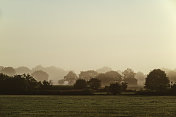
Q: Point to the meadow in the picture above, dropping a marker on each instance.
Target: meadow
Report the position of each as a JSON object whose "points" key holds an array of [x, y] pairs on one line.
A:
{"points": [[87, 106]]}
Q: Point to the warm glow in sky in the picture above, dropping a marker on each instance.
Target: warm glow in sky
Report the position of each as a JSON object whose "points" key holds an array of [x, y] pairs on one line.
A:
{"points": [[88, 34]]}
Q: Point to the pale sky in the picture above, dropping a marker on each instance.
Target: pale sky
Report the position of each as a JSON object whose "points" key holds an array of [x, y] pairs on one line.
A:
{"points": [[88, 34]]}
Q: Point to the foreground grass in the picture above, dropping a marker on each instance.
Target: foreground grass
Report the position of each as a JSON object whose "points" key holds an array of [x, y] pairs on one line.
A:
{"points": [[87, 106]]}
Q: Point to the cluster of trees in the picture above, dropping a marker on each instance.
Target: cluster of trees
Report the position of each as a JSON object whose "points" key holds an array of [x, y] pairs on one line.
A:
{"points": [[92, 84], [114, 82], [38, 75], [10, 71], [95, 84], [156, 82], [110, 81], [52, 73], [39, 72], [26, 84], [106, 78], [21, 84], [129, 76]]}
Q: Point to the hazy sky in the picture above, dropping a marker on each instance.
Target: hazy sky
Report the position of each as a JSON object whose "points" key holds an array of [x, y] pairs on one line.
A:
{"points": [[88, 34]]}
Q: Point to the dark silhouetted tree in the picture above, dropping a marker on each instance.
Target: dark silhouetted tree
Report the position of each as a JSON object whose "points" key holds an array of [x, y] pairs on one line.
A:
{"points": [[94, 83], [33, 84], [3, 82], [21, 84], [17, 83], [157, 80], [115, 88], [40, 75], [80, 84]]}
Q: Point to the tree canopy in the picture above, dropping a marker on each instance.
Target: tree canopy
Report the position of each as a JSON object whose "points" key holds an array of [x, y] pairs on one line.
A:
{"points": [[157, 80], [94, 83], [10, 71], [109, 77], [23, 70], [40, 75], [80, 84], [87, 75], [129, 77], [71, 77]]}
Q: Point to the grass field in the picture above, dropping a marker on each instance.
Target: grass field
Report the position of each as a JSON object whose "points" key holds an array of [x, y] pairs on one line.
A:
{"points": [[87, 106]]}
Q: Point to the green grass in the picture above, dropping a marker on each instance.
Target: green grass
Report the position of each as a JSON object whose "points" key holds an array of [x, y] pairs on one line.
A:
{"points": [[87, 106]]}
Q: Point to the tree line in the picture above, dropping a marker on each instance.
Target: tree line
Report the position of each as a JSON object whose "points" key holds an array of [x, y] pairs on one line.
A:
{"points": [[111, 82], [19, 84], [106, 78]]}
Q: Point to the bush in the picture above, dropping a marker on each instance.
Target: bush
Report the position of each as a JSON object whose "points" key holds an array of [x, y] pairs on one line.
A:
{"points": [[115, 88], [94, 83], [80, 84]]}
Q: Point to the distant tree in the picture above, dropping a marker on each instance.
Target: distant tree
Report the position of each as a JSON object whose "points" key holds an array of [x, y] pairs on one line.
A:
{"points": [[115, 88], [22, 70], [114, 75], [87, 75], [129, 77], [1, 67], [94, 83], [132, 82], [128, 73], [54, 73], [80, 84], [109, 78], [40, 75], [38, 68], [71, 77], [157, 80], [10, 71]]}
